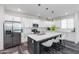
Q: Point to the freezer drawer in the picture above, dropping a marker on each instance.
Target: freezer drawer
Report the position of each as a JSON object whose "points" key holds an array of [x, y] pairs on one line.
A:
{"points": [[16, 39]]}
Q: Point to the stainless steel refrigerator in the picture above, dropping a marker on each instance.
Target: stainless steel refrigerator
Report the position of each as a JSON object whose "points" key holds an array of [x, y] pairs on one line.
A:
{"points": [[12, 34]]}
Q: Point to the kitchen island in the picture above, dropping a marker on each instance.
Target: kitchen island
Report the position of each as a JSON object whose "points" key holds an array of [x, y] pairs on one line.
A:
{"points": [[34, 41]]}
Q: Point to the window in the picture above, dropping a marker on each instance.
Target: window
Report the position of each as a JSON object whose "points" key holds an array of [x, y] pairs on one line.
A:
{"points": [[67, 23]]}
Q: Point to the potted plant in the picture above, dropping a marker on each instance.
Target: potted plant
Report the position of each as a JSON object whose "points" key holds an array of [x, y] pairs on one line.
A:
{"points": [[53, 28]]}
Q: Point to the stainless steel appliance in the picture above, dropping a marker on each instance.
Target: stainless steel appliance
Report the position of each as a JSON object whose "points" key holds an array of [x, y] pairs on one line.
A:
{"points": [[12, 34], [35, 29]]}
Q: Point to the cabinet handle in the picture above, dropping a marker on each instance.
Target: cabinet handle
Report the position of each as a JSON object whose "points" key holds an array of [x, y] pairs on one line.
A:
{"points": [[32, 41]]}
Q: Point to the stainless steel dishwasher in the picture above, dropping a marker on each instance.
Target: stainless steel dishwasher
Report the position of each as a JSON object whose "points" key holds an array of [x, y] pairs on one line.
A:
{"points": [[12, 33]]}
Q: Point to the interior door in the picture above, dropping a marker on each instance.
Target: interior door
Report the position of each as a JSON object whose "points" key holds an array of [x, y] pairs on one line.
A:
{"points": [[7, 35]]}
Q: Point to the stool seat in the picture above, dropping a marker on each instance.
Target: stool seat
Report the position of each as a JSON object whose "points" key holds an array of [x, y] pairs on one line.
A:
{"points": [[48, 43]]}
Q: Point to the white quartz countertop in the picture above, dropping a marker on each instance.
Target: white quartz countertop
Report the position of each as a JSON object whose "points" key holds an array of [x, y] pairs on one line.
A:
{"points": [[37, 37]]}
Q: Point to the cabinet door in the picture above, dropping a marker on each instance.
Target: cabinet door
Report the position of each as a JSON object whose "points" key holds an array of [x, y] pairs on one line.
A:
{"points": [[31, 45]]}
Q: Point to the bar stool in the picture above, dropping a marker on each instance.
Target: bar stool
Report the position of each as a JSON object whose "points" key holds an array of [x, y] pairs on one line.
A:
{"points": [[47, 45], [56, 44], [51, 43]]}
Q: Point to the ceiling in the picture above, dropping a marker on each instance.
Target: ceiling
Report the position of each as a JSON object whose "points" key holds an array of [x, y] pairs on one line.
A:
{"points": [[44, 10]]}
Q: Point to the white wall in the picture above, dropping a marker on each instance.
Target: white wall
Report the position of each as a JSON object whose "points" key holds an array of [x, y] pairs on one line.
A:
{"points": [[1, 26], [76, 17]]}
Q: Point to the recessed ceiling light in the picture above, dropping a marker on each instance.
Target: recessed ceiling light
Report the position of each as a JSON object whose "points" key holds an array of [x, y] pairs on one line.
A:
{"points": [[19, 9]]}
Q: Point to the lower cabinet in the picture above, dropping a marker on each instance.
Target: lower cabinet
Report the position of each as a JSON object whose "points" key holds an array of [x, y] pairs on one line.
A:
{"points": [[33, 46]]}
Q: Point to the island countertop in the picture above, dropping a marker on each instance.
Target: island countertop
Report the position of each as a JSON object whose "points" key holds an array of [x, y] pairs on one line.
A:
{"points": [[37, 37]]}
